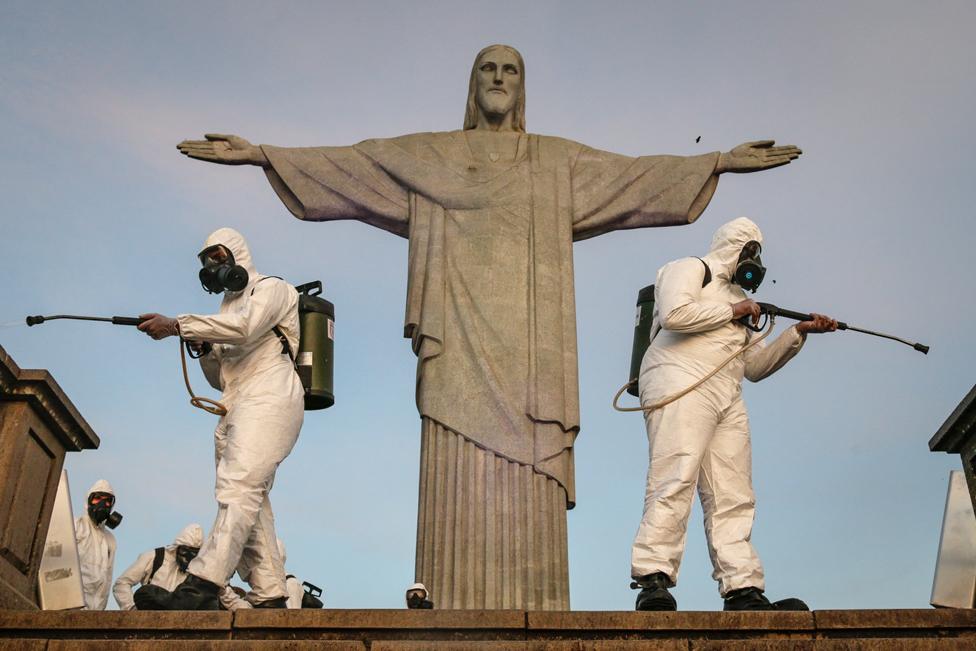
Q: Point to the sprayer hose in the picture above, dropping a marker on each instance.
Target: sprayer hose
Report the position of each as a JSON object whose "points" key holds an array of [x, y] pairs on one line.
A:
{"points": [[206, 404], [666, 401]]}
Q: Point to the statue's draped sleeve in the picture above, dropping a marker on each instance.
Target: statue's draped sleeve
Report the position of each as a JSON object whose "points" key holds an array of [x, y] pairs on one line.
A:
{"points": [[614, 192], [325, 183]]}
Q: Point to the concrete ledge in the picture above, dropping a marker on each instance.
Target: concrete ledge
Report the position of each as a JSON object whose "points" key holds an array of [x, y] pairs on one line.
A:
{"points": [[497, 630], [536, 645], [905, 620], [115, 624], [371, 618], [456, 625], [872, 644], [612, 624], [203, 645]]}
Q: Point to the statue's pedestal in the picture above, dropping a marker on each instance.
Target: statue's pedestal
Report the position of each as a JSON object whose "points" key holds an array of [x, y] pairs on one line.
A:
{"points": [[958, 436], [38, 425]]}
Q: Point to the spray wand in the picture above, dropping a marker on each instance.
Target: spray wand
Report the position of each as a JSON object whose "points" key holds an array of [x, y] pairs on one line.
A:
{"points": [[770, 311], [206, 404], [774, 311]]}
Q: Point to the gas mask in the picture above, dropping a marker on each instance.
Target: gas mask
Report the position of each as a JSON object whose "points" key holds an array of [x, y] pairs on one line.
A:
{"points": [[417, 597], [185, 554], [749, 271], [219, 272], [100, 510]]}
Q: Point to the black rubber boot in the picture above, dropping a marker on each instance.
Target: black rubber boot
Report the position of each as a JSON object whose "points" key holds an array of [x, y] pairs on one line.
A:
{"points": [[791, 603], [194, 594], [654, 593], [280, 602], [754, 599]]}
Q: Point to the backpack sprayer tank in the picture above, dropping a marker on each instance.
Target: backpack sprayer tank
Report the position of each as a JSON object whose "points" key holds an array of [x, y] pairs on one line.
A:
{"points": [[642, 335], [315, 361]]}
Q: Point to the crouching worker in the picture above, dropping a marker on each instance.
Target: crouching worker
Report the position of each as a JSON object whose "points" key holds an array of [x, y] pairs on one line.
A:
{"points": [[702, 438], [247, 359], [158, 571]]}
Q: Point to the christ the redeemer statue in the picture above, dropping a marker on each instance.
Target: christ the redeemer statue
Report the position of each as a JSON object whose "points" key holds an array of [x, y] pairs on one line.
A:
{"points": [[491, 213]]}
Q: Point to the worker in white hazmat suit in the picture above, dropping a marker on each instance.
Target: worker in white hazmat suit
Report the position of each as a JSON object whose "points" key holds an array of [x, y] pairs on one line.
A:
{"points": [[163, 567], [96, 544], [264, 398], [702, 439], [230, 600]]}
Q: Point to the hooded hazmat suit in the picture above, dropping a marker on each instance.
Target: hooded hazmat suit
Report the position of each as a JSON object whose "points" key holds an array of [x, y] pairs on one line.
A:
{"points": [[96, 553], [702, 439], [167, 576], [265, 408]]}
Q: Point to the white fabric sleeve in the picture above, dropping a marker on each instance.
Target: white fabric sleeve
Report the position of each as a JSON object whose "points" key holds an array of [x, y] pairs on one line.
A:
{"points": [[265, 308], [678, 295], [761, 361], [136, 573]]}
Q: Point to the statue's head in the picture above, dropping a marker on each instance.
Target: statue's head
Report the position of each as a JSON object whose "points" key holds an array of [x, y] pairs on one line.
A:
{"points": [[497, 87]]}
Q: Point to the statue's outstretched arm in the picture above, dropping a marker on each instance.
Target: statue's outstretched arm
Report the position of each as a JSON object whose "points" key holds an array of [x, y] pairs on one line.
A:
{"points": [[224, 149], [755, 156]]}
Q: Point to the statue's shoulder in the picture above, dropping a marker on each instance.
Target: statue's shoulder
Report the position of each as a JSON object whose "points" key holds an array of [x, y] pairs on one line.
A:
{"points": [[413, 143], [557, 144]]}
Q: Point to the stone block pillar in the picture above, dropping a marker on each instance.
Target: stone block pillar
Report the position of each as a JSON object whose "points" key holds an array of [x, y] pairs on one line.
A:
{"points": [[38, 425], [958, 436]]}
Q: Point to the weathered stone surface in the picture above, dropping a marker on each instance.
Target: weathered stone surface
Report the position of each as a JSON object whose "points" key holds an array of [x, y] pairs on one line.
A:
{"points": [[115, 624], [205, 645], [23, 645], [598, 624], [457, 625], [853, 644], [535, 645], [896, 644], [945, 618], [404, 630], [397, 619], [753, 645]]}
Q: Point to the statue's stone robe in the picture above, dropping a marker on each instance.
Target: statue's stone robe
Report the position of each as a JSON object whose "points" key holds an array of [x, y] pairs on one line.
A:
{"points": [[490, 298]]}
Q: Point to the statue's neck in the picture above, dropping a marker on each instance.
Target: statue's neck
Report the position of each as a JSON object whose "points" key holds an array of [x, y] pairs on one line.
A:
{"points": [[504, 122]]}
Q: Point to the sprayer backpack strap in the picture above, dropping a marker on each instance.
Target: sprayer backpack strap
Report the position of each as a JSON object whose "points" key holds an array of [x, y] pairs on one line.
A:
{"points": [[157, 562], [285, 346], [708, 273]]}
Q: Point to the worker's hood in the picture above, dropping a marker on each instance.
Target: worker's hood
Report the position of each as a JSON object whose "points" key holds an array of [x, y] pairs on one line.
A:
{"points": [[237, 245], [727, 245], [191, 536], [102, 486]]}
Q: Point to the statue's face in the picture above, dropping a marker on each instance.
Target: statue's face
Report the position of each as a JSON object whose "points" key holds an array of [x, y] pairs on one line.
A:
{"points": [[499, 82]]}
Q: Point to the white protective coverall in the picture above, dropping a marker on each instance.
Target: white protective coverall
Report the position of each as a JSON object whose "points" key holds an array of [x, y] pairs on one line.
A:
{"points": [[265, 408], [96, 553], [168, 576], [702, 439], [230, 601]]}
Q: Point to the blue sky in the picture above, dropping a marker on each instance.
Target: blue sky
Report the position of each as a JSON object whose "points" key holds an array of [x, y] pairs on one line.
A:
{"points": [[873, 224]]}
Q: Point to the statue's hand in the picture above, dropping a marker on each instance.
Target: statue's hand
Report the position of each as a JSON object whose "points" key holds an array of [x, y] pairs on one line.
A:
{"points": [[756, 155], [223, 149]]}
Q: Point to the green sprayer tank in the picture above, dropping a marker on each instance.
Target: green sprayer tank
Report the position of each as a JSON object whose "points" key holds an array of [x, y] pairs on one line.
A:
{"points": [[642, 335], [315, 359]]}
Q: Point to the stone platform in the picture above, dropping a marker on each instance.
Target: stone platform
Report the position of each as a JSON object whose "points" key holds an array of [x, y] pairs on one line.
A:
{"points": [[403, 630]]}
